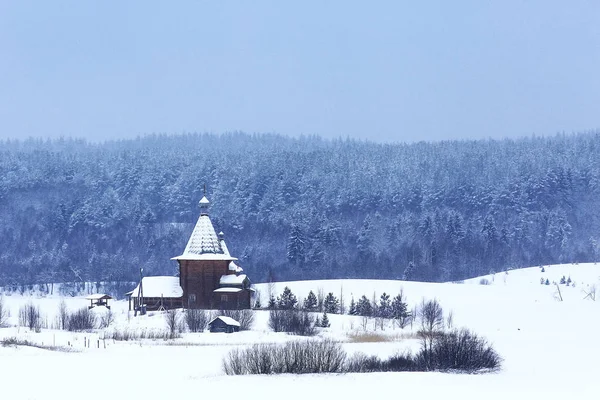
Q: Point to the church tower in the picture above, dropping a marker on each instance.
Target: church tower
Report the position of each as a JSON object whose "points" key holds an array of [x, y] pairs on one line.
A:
{"points": [[208, 275]]}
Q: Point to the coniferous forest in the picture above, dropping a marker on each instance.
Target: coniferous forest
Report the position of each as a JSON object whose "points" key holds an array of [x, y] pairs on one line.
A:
{"points": [[297, 208]]}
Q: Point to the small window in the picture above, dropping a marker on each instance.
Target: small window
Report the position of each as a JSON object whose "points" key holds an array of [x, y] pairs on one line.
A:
{"points": [[192, 298], [224, 298]]}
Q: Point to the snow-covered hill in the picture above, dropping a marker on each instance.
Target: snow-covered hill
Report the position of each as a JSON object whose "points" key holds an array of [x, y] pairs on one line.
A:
{"points": [[549, 346]]}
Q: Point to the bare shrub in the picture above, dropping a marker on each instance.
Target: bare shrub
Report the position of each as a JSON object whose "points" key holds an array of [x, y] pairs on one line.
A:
{"points": [[292, 321], [3, 312], [297, 357], [399, 362], [196, 320], [173, 323], [244, 317], [484, 281], [107, 318], [30, 317], [460, 350], [62, 317], [81, 320]]}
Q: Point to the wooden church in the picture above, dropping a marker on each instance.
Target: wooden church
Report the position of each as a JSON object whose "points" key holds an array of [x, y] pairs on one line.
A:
{"points": [[209, 278]]}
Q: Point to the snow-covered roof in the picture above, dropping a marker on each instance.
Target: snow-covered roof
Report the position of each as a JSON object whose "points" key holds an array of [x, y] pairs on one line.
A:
{"points": [[207, 256], [227, 320], [232, 279], [159, 286], [222, 243], [235, 268], [204, 243], [204, 202], [226, 290], [98, 296]]}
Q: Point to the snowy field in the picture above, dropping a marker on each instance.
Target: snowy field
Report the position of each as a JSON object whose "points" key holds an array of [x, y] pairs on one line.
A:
{"points": [[550, 347]]}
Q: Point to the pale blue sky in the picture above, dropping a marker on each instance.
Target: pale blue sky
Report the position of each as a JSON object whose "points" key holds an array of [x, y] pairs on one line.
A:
{"points": [[388, 71]]}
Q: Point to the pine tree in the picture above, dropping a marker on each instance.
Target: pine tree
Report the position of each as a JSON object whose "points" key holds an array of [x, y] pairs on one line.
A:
{"points": [[352, 310], [364, 307], [408, 272], [272, 303], [325, 321], [400, 308], [296, 247], [547, 281], [287, 300], [331, 304], [364, 241], [563, 280], [385, 306], [257, 303], [310, 303]]}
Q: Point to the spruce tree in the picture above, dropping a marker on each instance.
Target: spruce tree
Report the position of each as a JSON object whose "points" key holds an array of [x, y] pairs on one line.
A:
{"points": [[272, 303], [331, 304], [400, 308], [287, 300], [325, 321], [296, 246], [408, 272], [311, 303], [352, 310], [385, 306], [364, 307], [257, 303]]}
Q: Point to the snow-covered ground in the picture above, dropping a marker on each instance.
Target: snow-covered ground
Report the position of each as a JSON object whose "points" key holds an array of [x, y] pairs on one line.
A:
{"points": [[549, 346]]}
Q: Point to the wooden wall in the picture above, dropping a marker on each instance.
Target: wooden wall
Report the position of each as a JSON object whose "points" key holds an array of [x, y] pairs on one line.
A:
{"points": [[200, 278]]}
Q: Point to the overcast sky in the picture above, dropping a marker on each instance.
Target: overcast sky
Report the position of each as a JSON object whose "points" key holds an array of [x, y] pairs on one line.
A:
{"points": [[387, 71]]}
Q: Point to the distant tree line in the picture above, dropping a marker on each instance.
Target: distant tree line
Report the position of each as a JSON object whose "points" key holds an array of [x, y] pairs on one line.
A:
{"points": [[297, 208]]}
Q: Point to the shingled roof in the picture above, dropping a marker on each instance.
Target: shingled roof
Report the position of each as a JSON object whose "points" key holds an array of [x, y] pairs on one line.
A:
{"points": [[204, 244]]}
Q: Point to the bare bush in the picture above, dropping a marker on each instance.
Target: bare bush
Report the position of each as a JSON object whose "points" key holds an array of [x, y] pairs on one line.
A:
{"points": [[297, 357], [399, 362], [3, 313], [196, 320], [460, 350], [63, 315], [30, 317], [81, 320], [484, 281], [244, 317], [107, 318], [292, 321], [173, 323]]}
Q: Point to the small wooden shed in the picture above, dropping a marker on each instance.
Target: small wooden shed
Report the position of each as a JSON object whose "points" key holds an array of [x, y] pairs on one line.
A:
{"points": [[99, 300], [224, 324]]}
